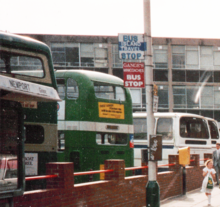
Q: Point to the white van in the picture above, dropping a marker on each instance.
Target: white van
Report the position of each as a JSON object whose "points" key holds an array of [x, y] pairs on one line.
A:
{"points": [[8, 173], [177, 130]]}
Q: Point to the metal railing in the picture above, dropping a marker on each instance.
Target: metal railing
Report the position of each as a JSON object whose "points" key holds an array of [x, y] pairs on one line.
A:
{"points": [[40, 177], [99, 171], [92, 172]]}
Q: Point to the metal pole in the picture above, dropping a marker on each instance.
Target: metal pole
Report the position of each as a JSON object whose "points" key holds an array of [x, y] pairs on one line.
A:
{"points": [[152, 187], [184, 180]]}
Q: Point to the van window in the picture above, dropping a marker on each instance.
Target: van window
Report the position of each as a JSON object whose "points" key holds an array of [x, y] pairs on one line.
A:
{"points": [[213, 129], [11, 170], [140, 128], [192, 127], [165, 128]]}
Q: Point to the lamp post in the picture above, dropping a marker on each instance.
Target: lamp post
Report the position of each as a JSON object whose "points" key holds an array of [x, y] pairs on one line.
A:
{"points": [[152, 187]]}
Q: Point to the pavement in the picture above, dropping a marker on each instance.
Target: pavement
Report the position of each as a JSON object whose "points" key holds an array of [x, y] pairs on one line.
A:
{"points": [[193, 198]]}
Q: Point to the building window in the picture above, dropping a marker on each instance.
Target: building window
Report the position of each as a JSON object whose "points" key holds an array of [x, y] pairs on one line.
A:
{"points": [[192, 76], [65, 54], [192, 57], [118, 72], [217, 57], [163, 97], [136, 98], [206, 76], [196, 97], [179, 75], [117, 63], [216, 97], [217, 76], [206, 57], [160, 59], [207, 97], [192, 96], [178, 56], [101, 55], [160, 75], [179, 96], [87, 55], [196, 76]]}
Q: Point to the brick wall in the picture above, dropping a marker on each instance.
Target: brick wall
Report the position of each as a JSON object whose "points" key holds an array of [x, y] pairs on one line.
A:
{"points": [[115, 190]]}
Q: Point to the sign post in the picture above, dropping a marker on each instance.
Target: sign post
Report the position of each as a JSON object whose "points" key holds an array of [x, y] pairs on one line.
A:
{"points": [[152, 187]]}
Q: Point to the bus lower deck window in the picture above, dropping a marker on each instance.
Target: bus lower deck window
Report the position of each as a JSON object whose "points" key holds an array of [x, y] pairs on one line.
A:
{"points": [[111, 139]]}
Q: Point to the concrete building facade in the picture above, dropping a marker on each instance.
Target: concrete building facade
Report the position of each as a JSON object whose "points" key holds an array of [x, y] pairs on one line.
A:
{"points": [[186, 71]]}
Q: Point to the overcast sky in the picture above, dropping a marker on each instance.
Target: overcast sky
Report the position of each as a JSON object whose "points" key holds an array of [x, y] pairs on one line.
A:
{"points": [[169, 18]]}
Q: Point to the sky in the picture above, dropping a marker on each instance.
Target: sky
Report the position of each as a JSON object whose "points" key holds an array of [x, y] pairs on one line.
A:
{"points": [[169, 18]]}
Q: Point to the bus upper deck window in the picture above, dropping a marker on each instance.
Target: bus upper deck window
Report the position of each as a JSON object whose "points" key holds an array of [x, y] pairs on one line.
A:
{"points": [[61, 91], [165, 127], [72, 89], [21, 64], [109, 92], [61, 88], [120, 94]]}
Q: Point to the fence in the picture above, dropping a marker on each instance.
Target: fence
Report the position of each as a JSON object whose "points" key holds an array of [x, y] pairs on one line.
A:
{"points": [[115, 190]]}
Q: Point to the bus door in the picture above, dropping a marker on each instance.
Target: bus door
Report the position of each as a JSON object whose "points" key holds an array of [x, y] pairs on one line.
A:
{"points": [[11, 149]]}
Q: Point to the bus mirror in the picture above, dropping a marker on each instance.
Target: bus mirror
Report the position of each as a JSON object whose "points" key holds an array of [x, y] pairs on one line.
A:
{"points": [[184, 156]]}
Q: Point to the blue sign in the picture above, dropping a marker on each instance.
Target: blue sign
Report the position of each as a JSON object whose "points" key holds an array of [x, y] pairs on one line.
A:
{"points": [[131, 46]]}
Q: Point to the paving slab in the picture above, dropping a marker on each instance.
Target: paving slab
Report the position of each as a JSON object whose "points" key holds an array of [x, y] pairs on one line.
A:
{"points": [[193, 198]]}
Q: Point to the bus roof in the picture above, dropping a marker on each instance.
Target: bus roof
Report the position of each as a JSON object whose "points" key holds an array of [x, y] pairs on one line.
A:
{"points": [[26, 43], [92, 75], [166, 114]]}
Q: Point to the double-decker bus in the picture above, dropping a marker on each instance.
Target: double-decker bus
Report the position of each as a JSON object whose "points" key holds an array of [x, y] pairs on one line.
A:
{"points": [[94, 119], [27, 77]]}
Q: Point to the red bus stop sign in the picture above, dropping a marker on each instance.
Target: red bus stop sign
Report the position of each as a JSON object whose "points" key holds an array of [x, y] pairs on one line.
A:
{"points": [[133, 75]]}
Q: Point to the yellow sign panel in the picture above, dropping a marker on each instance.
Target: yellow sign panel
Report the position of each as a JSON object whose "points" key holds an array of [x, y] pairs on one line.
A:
{"points": [[111, 110], [29, 104], [102, 175], [184, 156]]}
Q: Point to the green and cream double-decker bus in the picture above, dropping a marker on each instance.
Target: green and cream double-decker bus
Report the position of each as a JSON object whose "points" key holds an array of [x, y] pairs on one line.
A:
{"points": [[94, 119], [27, 77]]}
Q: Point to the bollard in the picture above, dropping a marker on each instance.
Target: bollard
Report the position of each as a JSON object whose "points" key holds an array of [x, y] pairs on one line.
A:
{"points": [[152, 194]]}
